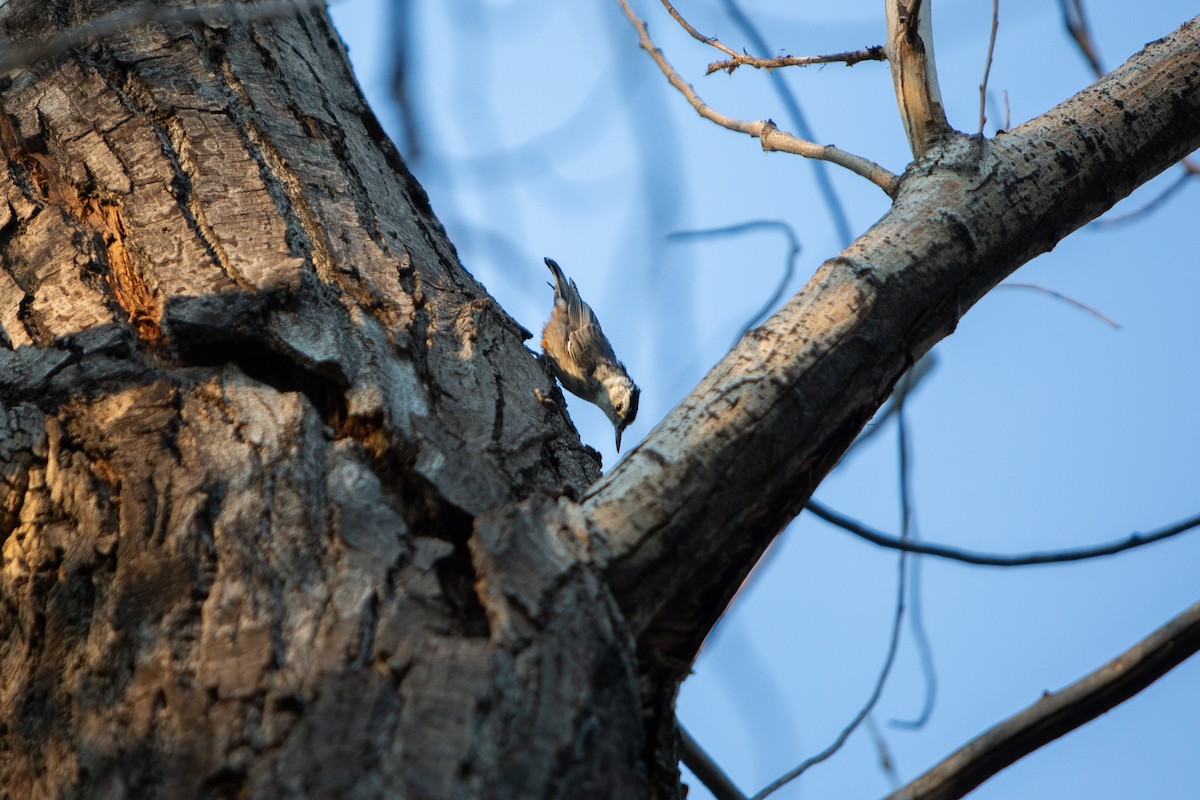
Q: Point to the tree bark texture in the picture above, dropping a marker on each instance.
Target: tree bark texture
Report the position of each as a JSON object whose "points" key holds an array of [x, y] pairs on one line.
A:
{"points": [[263, 444], [282, 514]]}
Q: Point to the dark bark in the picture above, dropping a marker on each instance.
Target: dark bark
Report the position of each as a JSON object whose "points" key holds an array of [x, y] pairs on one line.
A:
{"points": [[253, 408], [282, 514]]}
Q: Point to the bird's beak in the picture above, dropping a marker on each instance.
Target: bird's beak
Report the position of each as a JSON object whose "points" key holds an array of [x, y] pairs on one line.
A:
{"points": [[619, 431]]}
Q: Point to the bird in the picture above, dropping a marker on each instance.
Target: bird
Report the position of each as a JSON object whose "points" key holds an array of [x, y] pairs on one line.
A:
{"points": [[582, 358]]}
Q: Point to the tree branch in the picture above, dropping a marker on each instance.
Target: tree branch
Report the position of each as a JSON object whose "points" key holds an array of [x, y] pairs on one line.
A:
{"points": [[707, 770], [680, 520], [1075, 19], [789, 267], [1077, 27], [711, 41], [992, 560], [987, 66], [914, 72], [1082, 306], [764, 130], [735, 60], [849, 58], [1061, 712]]}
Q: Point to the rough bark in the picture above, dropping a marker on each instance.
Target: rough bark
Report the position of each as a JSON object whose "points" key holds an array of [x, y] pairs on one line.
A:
{"points": [[281, 513], [252, 407]]}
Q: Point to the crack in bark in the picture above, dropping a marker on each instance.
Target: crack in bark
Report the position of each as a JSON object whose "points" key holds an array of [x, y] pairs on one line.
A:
{"points": [[139, 101]]}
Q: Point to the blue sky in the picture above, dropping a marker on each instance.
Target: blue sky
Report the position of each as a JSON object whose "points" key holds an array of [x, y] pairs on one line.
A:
{"points": [[545, 131]]}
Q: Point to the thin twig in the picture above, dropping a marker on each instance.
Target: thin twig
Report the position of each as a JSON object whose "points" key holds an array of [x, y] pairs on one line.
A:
{"points": [[867, 707], [987, 67], [849, 58], [735, 60], [707, 770], [764, 130], [1055, 715], [886, 762], [995, 560], [789, 267], [17, 56], [1189, 171], [695, 34], [403, 40], [904, 387], [916, 623], [798, 121], [908, 532], [897, 621], [1077, 27], [1065, 298]]}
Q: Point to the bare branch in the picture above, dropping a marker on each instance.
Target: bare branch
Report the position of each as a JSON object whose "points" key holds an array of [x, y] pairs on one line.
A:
{"points": [[876, 692], [906, 520], [904, 387], [1189, 171], [695, 34], [849, 58], [707, 770], [789, 268], [994, 560], [914, 72], [987, 67], [1061, 712], [1077, 27], [17, 56], [735, 60], [796, 119], [764, 130], [886, 763], [908, 534], [1082, 306], [403, 47]]}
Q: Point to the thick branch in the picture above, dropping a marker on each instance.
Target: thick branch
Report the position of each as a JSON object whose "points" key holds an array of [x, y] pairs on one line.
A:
{"points": [[1057, 714], [682, 518]]}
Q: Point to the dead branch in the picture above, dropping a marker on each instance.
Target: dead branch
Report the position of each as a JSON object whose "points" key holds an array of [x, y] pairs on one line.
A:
{"points": [[849, 58], [993, 560], [914, 72], [771, 137], [707, 770], [1082, 306], [712, 41], [1059, 713], [987, 66]]}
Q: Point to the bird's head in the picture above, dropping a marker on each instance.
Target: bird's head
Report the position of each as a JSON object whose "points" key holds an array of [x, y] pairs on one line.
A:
{"points": [[619, 400]]}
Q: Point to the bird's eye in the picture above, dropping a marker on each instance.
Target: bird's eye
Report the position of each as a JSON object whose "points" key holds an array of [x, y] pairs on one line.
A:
{"points": [[620, 408]]}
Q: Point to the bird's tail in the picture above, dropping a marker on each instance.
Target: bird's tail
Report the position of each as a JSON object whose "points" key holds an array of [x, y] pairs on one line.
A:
{"points": [[561, 285]]}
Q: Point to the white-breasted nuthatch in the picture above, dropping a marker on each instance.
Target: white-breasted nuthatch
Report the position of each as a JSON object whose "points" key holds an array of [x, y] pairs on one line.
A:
{"points": [[583, 360]]}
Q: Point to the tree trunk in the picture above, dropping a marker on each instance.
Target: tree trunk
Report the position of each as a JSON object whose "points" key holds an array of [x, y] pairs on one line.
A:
{"points": [[282, 513], [252, 409]]}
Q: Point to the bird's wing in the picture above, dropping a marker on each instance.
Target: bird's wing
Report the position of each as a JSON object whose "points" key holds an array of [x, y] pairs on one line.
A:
{"points": [[586, 342]]}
